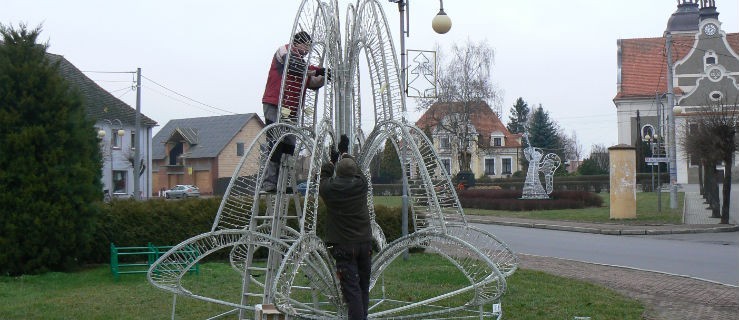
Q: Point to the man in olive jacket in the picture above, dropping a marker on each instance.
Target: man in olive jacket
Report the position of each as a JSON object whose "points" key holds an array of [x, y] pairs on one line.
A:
{"points": [[348, 231]]}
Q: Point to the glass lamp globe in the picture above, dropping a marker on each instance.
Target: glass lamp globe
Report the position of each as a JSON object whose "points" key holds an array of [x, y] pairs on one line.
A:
{"points": [[441, 23]]}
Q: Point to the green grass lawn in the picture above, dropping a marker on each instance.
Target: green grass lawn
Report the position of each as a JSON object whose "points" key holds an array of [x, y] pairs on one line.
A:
{"points": [[646, 210], [93, 294]]}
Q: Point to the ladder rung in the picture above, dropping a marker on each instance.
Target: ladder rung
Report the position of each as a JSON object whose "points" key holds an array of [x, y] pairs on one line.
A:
{"points": [[249, 294], [257, 268], [301, 287]]}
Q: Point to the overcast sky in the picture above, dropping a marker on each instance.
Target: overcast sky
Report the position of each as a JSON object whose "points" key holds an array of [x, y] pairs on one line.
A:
{"points": [[561, 54]]}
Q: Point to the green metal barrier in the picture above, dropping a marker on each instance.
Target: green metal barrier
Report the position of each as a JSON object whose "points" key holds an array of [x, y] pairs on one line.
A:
{"points": [[141, 258]]}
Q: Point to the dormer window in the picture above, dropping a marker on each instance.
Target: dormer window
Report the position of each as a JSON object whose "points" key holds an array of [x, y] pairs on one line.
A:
{"points": [[497, 139], [175, 153]]}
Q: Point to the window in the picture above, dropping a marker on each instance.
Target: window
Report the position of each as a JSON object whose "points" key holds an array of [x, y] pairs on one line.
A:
{"points": [[497, 142], [115, 140], [133, 140], [119, 181], [239, 149], [716, 95], [444, 142], [447, 163], [507, 167], [490, 167], [647, 130], [175, 153], [710, 58]]}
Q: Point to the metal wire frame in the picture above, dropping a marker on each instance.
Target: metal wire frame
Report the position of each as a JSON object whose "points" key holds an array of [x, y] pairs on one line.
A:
{"points": [[428, 183], [486, 282], [372, 35], [309, 257], [483, 259], [238, 204], [310, 18], [166, 273], [496, 250]]}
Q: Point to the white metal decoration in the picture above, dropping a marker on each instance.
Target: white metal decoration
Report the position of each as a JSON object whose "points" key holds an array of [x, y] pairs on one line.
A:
{"points": [[421, 81], [539, 163], [298, 276]]}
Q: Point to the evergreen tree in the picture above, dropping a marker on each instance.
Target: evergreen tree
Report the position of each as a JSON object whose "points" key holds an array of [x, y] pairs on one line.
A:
{"points": [[519, 116], [390, 169], [545, 134], [50, 160]]}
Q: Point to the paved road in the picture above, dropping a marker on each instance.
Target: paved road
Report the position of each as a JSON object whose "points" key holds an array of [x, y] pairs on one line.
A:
{"points": [[713, 257]]}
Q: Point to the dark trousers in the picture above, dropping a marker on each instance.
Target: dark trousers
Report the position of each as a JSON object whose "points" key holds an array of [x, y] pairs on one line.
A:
{"points": [[284, 147], [353, 266]]}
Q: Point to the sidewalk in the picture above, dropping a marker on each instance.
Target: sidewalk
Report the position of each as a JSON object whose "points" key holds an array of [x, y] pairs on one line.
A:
{"points": [[696, 217], [665, 296]]}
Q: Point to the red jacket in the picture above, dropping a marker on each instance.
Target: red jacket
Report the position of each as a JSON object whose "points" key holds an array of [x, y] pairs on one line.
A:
{"points": [[293, 82]]}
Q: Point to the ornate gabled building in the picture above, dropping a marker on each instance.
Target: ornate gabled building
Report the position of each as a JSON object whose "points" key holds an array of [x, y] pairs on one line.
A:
{"points": [[705, 71], [494, 151]]}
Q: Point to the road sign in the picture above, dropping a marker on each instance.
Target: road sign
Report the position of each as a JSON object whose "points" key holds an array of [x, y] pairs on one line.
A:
{"points": [[655, 159]]}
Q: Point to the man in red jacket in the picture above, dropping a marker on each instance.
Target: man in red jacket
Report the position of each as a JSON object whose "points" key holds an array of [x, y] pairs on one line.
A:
{"points": [[288, 60]]}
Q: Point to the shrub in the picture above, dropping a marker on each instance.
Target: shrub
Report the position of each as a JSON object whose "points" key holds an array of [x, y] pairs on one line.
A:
{"points": [[491, 199], [135, 223], [49, 162]]}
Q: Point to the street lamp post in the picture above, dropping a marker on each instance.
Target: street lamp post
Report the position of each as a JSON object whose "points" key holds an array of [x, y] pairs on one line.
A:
{"points": [[671, 124], [441, 24], [655, 147], [101, 134]]}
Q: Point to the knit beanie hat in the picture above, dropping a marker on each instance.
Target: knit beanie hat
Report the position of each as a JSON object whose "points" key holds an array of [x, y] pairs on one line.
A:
{"points": [[346, 167]]}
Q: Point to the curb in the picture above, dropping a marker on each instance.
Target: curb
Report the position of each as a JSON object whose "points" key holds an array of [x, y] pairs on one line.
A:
{"points": [[623, 230]]}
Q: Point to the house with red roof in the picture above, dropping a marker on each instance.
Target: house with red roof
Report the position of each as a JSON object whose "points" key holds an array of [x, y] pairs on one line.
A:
{"points": [[705, 71], [494, 151]]}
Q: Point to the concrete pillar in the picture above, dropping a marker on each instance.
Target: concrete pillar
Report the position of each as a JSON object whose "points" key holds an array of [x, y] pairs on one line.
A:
{"points": [[623, 181]]}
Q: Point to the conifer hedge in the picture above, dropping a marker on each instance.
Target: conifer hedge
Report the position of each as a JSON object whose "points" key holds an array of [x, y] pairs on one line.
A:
{"points": [[49, 162]]}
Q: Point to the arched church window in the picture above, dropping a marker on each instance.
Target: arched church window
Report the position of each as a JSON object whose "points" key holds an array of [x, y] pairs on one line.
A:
{"points": [[647, 131]]}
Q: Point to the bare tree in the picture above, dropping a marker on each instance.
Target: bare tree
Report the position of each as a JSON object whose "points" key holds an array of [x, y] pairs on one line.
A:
{"points": [[464, 84], [573, 148], [599, 153], [711, 137]]}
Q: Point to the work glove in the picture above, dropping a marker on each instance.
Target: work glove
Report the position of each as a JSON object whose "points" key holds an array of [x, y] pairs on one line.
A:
{"points": [[334, 157], [343, 144], [324, 72]]}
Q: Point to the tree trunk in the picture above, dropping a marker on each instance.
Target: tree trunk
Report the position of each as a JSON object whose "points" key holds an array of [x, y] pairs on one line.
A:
{"points": [[700, 178], [715, 200], [728, 161], [707, 181], [464, 161]]}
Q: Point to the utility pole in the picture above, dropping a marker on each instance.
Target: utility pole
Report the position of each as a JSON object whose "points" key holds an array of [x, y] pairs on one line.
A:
{"points": [[671, 125], [403, 33], [137, 141]]}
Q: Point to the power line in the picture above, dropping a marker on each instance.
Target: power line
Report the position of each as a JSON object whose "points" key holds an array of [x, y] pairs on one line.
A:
{"points": [[100, 80], [188, 98], [93, 71], [181, 101]]}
